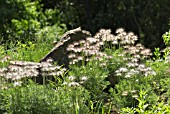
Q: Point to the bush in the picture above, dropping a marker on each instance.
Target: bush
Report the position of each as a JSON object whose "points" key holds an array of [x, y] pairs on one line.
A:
{"points": [[28, 18], [36, 99], [166, 38]]}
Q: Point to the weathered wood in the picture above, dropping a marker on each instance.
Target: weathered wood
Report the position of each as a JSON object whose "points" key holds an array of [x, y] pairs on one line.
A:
{"points": [[59, 53]]}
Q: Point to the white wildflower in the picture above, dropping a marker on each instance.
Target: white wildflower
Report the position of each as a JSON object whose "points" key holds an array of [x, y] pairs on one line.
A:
{"points": [[135, 96], [131, 64], [59, 73], [118, 74], [84, 78], [141, 66], [125, 93], [17, 84], [65, 83], [71, 78], [73, 84], [122, 69], [127, 76]]}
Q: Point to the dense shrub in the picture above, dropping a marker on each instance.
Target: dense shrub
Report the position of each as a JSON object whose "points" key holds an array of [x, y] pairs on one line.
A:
{"points": [[36, 99], [24, 20]]}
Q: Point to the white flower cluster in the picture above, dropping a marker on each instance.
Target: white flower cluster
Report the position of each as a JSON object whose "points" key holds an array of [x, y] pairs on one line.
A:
{"points": [[138, 51], [134, 68], [17, 70], [105, 35], [121, 36], [84, 49], [132, 92], [126, 40], [75, 82], [93, 45]]}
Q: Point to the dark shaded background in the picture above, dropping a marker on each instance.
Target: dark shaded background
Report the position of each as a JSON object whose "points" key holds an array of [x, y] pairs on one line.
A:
{"points": [[147, 18]]}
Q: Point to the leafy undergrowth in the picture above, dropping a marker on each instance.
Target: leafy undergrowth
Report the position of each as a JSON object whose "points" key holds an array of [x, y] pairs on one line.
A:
{"points": [[127, 82]]}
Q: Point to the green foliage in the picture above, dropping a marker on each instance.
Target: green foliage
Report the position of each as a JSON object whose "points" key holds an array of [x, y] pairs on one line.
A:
{"points": [[50, 33], [142, 108], [28, 18], [96, 71], [166, 38], [83, 88], [95, 76], [28, 51], [157, 54], [127, 90], [2, 51], [35, 99]]}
